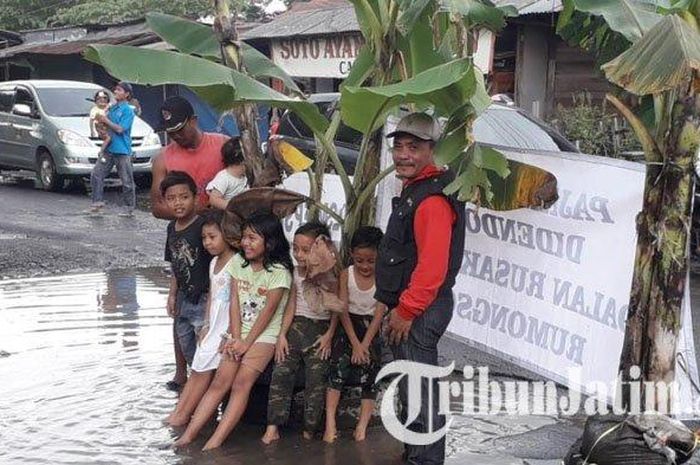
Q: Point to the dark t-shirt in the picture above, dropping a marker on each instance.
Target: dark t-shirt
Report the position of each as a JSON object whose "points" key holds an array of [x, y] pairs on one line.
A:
{"points": [[189, 259]]}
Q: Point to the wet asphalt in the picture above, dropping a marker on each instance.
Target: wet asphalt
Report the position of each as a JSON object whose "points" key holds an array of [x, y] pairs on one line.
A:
{"points": [[46, 233]]}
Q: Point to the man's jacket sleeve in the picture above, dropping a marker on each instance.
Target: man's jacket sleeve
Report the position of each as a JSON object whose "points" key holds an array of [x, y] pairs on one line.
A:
{"points": [[432, 229]]}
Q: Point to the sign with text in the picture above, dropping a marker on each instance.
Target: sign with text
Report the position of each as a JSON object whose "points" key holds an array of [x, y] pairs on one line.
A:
{"points": [[549, 288], [317, 56]]}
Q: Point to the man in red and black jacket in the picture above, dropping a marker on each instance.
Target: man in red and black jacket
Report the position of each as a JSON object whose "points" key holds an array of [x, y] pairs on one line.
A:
{"points": [[417, 264]]}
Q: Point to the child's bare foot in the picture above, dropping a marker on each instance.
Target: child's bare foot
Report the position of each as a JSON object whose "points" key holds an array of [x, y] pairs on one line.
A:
{"points": [[271, 435], [360, 434], [211, 445], [308, 436], [330, 435], [181, 442]]}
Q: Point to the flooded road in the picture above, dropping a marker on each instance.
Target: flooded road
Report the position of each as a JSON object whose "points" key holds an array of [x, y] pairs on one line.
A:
{"points": [[83, 362]]}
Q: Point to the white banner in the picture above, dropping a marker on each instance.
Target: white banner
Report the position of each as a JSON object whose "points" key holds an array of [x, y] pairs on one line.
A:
{"points": [[549, 289]]}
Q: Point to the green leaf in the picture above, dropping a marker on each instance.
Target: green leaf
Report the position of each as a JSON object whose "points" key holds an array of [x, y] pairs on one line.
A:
{"points": [[474, 180], [491, 159], [185, 35], [423, 55], [370, 25], [219, 85], [446, 87], [410, 12], [450, 147], [481, 99], [199, 39], [477, 12], [362, 68], [662, 60], [631, 18]]}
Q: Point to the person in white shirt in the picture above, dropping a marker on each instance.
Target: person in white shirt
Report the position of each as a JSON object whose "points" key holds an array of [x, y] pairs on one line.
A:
{"points": [[230, 181]]}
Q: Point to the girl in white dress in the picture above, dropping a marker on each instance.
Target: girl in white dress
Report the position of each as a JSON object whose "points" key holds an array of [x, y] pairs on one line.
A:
{"points": [[207, 357]]}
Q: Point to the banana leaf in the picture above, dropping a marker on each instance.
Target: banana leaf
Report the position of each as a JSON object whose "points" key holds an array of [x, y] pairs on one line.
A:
{"points": [[217, 84], [631, 18], [198, 39], [661, 60], [444, 86]]}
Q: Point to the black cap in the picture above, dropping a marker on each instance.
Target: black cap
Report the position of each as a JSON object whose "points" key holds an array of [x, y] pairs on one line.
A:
{"points": [[174, 114], [126, 86]]}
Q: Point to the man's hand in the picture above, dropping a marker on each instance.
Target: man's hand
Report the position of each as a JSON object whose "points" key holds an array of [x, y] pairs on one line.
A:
{"points": [[398, 328]]}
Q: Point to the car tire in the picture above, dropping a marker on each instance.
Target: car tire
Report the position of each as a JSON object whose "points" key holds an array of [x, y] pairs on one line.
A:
{"points": [[49, 179]]}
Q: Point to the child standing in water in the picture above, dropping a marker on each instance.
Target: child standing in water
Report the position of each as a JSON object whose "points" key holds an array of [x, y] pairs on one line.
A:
{"points": [[305, 340], [260, 280], [356, 349], [189, 260], [216, 321]]}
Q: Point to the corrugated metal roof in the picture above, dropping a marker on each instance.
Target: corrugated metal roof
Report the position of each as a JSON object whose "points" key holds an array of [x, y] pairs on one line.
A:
{"points": [[133, 34], [526, 7], [311, 22], [319, 17]]}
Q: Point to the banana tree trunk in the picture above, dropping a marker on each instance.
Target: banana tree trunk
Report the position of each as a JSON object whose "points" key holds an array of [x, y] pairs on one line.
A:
{"points": [[246, 114], [654, 316]]}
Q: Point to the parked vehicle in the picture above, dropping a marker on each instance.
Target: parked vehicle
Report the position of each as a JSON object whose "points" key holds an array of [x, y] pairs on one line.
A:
{"points": [[44, 127], [501, 125]]}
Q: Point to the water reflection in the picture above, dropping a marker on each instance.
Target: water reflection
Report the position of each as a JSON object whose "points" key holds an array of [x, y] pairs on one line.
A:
{"points": [[83, 382]]}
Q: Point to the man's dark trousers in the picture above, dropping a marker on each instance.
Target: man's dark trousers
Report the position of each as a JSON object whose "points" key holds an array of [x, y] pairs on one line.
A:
{"points": [[421, 346]]}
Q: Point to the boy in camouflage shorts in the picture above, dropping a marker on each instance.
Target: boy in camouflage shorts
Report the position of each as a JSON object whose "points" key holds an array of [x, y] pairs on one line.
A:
{"points": [[305, 340]]}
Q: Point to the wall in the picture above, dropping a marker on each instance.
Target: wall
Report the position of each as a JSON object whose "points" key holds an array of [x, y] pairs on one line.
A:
{"points": [[531, 69], [575, 72]]}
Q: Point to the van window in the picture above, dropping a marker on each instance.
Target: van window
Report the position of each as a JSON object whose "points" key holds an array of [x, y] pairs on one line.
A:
{"points": [[24, 96], [66, 101], [6, 96]]}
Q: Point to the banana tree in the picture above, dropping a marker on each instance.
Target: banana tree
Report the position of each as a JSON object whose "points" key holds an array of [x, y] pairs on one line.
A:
{"points": [[661, 62], [416, 53]]}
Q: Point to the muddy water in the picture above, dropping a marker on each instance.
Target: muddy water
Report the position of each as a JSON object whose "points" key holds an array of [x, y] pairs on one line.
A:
{"points": [[83, 362]]}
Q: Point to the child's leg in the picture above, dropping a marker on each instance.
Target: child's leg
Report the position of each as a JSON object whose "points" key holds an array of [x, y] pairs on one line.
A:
{"points": [[316, 375], [247, 374], [282, 386], [340, 366], [366, 410], [218, 388], [180, 363], [369, 390], [332, 400], [191, 395]]}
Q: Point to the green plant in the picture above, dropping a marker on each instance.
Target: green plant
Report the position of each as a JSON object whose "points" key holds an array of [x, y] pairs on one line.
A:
{"points": [[595, 128]]}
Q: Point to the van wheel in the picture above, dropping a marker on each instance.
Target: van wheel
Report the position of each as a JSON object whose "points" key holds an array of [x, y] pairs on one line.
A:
{"points": [[49, 179]]}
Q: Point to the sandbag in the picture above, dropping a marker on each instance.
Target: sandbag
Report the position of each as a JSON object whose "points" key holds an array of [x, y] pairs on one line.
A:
{"points": [[649, 439]]}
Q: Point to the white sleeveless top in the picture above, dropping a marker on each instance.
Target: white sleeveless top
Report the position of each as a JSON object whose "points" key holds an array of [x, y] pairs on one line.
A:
{"points": [[359, 302]]}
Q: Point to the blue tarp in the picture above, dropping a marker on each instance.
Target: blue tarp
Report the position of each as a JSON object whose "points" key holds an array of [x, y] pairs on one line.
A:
{"points": [[210, 120]]}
